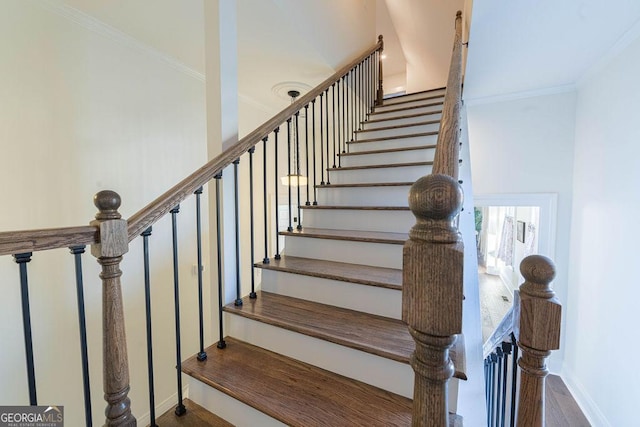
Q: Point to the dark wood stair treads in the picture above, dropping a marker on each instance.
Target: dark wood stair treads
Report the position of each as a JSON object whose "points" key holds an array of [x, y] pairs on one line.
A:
{"points": [[405, 101], [407, 116], [390, 165], [387, 138], [408, 125], [413, 107], [196, 416], [357, 208], [405, 95], [382, 336], [296, 393], [388, 150], [351, 235], [367, 184], [390, 278]]}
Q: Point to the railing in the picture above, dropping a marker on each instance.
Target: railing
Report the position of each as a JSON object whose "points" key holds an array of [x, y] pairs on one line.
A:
{"points": [[433, 261], [532, 327], [315, 128]]}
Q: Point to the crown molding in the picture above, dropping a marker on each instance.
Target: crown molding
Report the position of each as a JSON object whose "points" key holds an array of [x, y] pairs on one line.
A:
{"points": [[92, 24], [520, 95]]}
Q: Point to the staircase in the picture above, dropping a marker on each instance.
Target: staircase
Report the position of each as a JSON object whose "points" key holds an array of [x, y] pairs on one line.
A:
{"points": [[323, 343]]}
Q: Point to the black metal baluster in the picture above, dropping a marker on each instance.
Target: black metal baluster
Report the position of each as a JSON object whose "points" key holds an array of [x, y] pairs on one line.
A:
{"points": [[22, 260], [333, 121], [506, 349], [297, 159], [275, 148], [337, 153], [492, 391], [321, 143], [265, 260], [326, 110], [313, 139], [252, 294], [306, 151], [357, 96], [290, 228], [147, 301], [353, 106], [514, 379], [202, 355], [344, 114], [486, 386], [221, 343], [180, 409], [77, 252], [238, 301], [499, 364]]}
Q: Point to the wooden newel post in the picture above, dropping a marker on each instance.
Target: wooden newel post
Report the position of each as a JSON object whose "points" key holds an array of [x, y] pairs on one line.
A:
{"points": [[114, 243], [432, 292], [380, 91], [537, 329]]}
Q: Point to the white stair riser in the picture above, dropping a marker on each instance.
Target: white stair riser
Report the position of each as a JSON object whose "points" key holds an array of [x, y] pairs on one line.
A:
{"points": [[408, 103], [378, 254], [412, 96], [397, 131], [424, 155], [395, 174], [392, 143], [369, 299], [353, 219], [403, 112], [402, 121], [380, 372], [228, 408], [363, 196]]}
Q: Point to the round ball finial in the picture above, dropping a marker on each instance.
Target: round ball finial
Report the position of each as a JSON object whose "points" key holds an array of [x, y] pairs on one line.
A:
{"points": [[436, 197], [538, 269], [107, 202], [380, 37]]}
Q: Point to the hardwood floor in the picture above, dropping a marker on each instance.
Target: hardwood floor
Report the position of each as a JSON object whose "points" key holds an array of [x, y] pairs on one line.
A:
{"points": [[561, 408]]}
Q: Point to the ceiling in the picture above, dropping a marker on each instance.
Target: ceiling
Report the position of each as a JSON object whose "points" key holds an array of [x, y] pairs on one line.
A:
{"points": [[529, 47], [515, 47]]}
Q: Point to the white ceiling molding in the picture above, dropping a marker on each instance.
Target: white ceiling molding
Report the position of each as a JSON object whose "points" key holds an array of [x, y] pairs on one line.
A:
{"points": [[519, 95], [92, 24]]}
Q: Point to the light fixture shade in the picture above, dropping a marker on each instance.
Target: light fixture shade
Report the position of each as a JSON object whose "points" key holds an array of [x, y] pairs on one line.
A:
{"points": [[294, 180]]}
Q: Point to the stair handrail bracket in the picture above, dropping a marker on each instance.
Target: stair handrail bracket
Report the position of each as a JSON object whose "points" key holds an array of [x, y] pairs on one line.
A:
{"points": [[433, 259]]}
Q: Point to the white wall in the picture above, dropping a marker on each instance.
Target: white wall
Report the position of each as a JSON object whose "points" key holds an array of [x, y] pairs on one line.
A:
{"points": [[602, 313], [83, 110], [526, 146]]}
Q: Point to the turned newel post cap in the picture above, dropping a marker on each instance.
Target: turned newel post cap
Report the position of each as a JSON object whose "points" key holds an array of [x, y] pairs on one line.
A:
{"points": [[459, 14], [435, 197], [380, 37], [538, 269], [107, 202]]}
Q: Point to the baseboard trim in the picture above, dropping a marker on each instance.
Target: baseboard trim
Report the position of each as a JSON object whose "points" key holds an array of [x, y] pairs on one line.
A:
{"points": [[589, 408], [164, 406]]}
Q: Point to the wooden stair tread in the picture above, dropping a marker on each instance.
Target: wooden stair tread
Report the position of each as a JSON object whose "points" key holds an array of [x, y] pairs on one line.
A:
{"points": [[407, 116], [407, 125], [387, 138], [390, 165], [413, 107], [390, 278], [352, 235], [400, 102], [360, 208], [382, 336], [413, 93], [196, 416], [389, 150], [367, 184], [296, 393]]}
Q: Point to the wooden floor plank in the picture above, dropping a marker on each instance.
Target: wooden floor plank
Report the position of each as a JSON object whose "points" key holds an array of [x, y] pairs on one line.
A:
{"points": [[196, 416], [296, 393], [408, 109], [406, 116], [390, 278], [407, 125], [352, 235], [388, 150], [388, 165], [561, 408], [387, 138]]}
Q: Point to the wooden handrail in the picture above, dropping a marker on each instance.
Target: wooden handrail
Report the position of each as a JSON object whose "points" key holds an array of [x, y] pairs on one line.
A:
{"points": [[155, 210], [445, 161], [15, 242], [500, 334]]}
